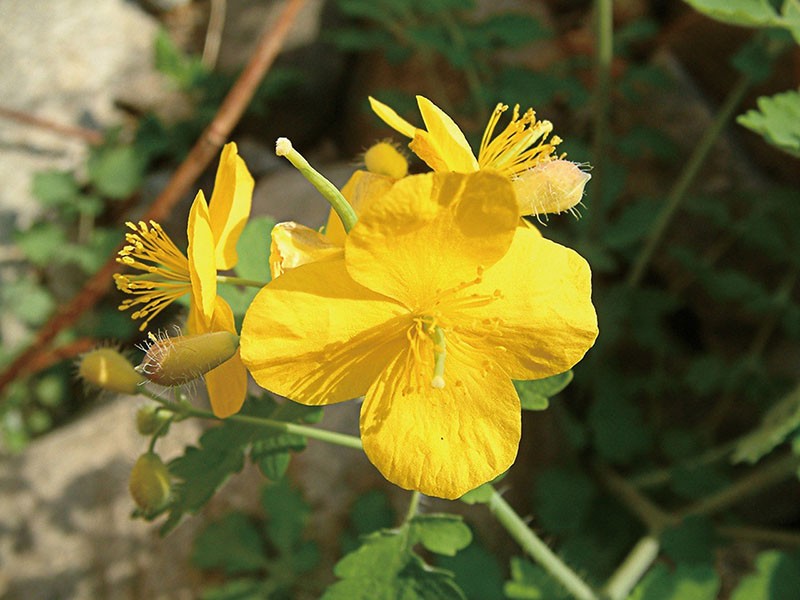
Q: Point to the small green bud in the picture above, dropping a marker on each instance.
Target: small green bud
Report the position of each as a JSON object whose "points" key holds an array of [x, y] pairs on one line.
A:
{"points": [[150, 482], [150, 419], [175, 361], [108, 369]]}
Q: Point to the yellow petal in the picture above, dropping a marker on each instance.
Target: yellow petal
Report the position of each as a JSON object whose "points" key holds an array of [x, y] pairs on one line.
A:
{"points": [[360, 190], [432, 232], [543, 322], [442, 442], [317, 337], [230, 205], [294, 245], [447, 138], [227, 384], [202, 263], [391, 118]]}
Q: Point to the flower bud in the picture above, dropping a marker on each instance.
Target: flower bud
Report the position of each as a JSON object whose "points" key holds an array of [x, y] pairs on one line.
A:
{"points": [[551, 187], [384, 159], [150, 419], [175, 361], [108, 369], [149, 483]]}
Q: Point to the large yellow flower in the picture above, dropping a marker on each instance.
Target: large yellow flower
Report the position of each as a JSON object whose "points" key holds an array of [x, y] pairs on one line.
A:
{"points": [[544, 182], [439, 301], [213, 231]]}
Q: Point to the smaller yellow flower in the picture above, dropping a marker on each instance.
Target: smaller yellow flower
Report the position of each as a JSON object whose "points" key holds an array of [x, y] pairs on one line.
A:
{"points": [[167, 274], [517, 152]]}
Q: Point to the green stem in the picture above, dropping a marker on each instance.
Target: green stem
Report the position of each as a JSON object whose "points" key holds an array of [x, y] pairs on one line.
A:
{"points": [[760, 535], [763, 477], [283, 147], [658, 477], [653, 517], [537, 549], [677, 194], [332, 437], [413, 506], [226, 279], [604, 15], [632, 569]]}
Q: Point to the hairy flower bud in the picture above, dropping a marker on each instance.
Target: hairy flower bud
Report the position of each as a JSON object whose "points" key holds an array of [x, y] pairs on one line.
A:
{"points": [[551, 187], [108, 369], [149, 483], [384, 159], [150, 419], [175, 361]]}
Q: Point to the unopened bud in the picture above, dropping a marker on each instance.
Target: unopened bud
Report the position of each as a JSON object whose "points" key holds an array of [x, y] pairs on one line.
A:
{"points": [[150, 418], [108, 369], [384, 159], [178, 360], [149, 483], [552, 187]]}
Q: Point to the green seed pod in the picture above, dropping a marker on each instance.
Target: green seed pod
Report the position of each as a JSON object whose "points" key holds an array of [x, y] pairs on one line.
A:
{"points": [[175, 361], [149, 483], [108, 369]]}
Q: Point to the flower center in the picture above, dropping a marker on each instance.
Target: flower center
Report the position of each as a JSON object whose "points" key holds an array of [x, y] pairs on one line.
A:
{"points": [[430, 325], [520, 146], [166, 271]]}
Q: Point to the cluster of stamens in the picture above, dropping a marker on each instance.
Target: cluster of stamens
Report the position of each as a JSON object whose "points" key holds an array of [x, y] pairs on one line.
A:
{"points": [[520, 146], [165, 269]]}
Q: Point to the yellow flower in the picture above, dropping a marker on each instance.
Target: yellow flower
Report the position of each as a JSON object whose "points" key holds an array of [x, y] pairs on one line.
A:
{"points": [[439, 300], [167, 274], [518, 152]]}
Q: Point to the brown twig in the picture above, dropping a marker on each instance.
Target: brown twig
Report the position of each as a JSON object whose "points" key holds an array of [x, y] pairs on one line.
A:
{"points": [[47, 358], [204, 150], [90, 136]]}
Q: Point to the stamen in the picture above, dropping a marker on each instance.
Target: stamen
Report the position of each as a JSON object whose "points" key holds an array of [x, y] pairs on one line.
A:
{"points": [[439, 355]]}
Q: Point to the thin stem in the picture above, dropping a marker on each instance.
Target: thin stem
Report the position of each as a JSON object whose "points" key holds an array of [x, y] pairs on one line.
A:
{"points": [[413, 506], [764, 477], [332, 437], [654, 518], [283, 147], [216, 23], [538, 550], [661, 476], [677, 194], [760, 535], [632, 569], [240, 281], [604, 15]]}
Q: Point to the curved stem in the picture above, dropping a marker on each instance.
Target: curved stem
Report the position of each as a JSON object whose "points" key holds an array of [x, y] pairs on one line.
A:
{"points": [[240, 281], [678, 192], [537, 549]]}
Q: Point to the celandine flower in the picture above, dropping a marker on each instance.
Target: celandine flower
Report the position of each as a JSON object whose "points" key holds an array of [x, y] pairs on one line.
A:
{"points": [[439, 301], [213, 231], [519, 152]]}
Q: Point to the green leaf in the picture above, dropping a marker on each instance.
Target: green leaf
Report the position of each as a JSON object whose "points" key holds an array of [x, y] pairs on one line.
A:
{"points": [[271, 454], [632, 225], [563, 498], [232, 544], [684, 583], [184, 70], [698, 481], [777, 576], [791, 16], [203, 469], [384, 568], [535, 394], [440, 533], [41, 243], [253, 249], [240, 589], [777, 425], [480, 495], [531, 582], [777, 120], [748, 13], [29, 301], [288, 514], [54, 188], [116, 171], [478, 571], [618, 429], [690, 542]]}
